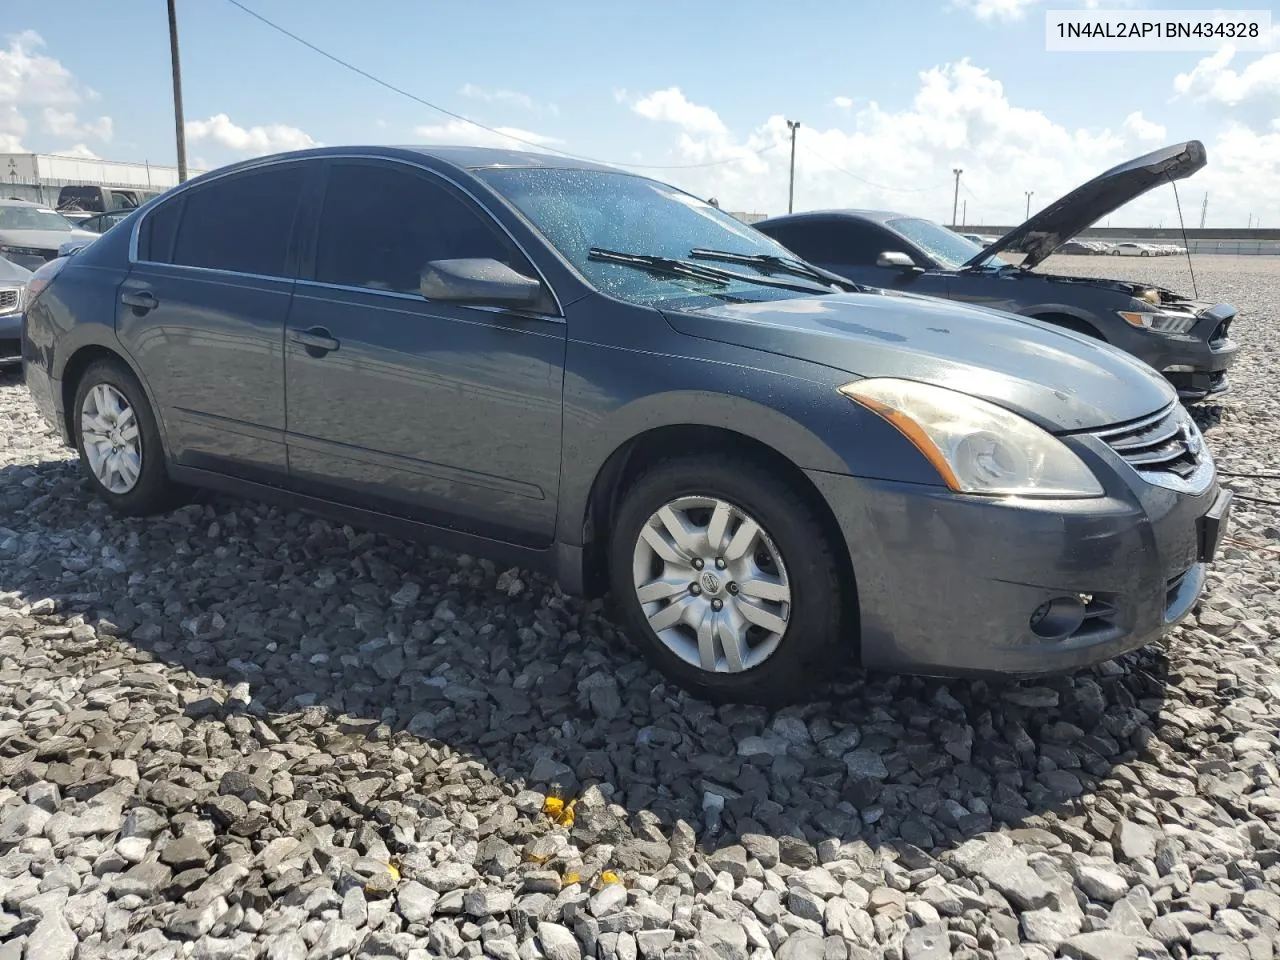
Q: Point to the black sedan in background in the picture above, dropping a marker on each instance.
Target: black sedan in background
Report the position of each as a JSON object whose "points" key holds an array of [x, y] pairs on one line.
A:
{"points": [[594, 374], [1185, 339]]}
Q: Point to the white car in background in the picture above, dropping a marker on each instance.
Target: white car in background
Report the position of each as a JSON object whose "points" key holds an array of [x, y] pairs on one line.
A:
{"points": [[1132, 250]]}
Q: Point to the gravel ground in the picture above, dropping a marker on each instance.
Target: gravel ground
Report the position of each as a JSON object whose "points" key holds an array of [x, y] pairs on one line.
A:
{"points": [[236, 731]]}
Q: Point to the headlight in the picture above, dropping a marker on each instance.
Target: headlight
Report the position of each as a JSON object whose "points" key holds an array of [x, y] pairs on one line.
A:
{"points": [[1159, 322], [976, 446]]}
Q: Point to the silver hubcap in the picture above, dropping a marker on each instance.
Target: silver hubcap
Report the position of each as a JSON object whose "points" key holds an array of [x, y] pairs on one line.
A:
{"points": [[712, 584], [109, 430]]}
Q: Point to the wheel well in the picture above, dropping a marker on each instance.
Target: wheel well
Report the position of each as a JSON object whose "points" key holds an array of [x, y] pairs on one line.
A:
{"points": [[1071, 323], [71, 374], [630, 460]]}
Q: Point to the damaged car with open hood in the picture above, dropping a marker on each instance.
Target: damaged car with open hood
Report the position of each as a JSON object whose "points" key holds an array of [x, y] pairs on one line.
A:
{"points": [[1184, 338]]}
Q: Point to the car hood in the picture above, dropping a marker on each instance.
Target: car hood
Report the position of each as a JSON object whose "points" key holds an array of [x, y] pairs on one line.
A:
{"points": [[42, 239], [1062, 381], [11, 272], [1087, 204]]}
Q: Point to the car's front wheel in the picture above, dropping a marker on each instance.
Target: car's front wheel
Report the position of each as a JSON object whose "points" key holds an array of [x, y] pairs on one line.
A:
{"points": [[729, 583], [119, 442]]}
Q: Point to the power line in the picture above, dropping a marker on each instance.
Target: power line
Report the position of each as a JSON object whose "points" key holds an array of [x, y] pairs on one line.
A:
{"points": [[475, 123], [870, 183]]}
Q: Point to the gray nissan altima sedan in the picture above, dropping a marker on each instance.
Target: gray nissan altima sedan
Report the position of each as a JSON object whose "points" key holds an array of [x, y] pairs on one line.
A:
{"points": [[594, 374]]}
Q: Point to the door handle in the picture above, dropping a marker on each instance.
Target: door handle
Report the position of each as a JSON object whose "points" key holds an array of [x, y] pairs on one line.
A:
{"points": [[316, 339], [141, 301]]}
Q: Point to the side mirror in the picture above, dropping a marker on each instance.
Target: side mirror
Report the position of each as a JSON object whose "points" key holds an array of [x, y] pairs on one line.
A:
{"points": [[481, 281], [894, 260]]}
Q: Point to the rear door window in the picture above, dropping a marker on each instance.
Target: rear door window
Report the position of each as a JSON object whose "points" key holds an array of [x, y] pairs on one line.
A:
{"points": [[242, 224]]}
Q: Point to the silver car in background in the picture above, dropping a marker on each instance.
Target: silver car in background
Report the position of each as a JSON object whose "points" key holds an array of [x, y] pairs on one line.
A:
{"points": [[31, 234]]}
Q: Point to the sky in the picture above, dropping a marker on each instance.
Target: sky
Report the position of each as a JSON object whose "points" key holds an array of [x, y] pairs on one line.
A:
{"points": [[890, 97]]}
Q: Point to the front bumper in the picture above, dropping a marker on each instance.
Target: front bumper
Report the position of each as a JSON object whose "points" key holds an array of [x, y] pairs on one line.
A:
{"points": [[1196, 364], [948, 585], [46, 394]]}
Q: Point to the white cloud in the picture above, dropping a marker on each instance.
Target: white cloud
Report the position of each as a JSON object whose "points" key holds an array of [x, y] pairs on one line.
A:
{"points": [[996, 9], [80, 150], [63, 124], [461, 133], [252, 141], [672, 105], [962, 116], [1253, 92], [844, 103], [29, 77], [1017, 9], [1140, 128], [13, 125]]}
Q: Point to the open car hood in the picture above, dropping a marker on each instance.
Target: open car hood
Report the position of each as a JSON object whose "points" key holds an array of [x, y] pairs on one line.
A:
{"points": [[1087, 204]]}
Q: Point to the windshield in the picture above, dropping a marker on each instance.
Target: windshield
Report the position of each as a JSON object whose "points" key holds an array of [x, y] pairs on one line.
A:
{"points": [[951, 250], [577, 210], [31, 218]]}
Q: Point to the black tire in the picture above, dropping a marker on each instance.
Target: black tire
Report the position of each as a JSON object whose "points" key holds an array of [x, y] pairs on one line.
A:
{"points": [[153, 492], [820, 604]]}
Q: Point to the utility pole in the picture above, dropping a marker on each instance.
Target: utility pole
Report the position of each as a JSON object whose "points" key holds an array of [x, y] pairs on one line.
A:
{"points": [[964, 213], [1030, 194], [793, 126], [955, 203], [1204, 209], [178, 125], [1250, 226]]}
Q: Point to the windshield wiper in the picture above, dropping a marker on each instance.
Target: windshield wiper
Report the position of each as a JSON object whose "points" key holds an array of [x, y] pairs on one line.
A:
{"points": [[672, 267], [663, 266], [795, 267]]}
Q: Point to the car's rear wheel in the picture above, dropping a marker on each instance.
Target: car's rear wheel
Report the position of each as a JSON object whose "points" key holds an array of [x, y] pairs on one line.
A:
{"points": [[119, 442], [728, 582]]}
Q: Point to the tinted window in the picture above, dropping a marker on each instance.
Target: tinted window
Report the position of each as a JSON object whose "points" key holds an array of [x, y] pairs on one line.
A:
{"points": [[242, 223], [846, 241], [155, 238], [382, 224]]}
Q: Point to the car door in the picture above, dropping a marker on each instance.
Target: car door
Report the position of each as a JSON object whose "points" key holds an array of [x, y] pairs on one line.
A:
{"points": [[443, 413], [202, 313]]}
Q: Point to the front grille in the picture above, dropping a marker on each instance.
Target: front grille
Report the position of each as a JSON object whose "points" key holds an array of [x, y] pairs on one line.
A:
{"points": [[1165, 442], [8, 300], [9, 349]]}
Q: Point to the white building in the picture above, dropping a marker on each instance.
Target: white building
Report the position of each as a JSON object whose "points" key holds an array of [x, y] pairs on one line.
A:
{"points": [[37, 176]]}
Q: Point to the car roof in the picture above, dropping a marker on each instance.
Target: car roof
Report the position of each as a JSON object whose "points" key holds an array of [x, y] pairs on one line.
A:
{"points": [[473, 158], [21, 203], [876, 216], [462, 157]]}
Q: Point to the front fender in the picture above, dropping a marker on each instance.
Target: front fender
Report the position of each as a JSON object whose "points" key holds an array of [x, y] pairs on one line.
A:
{"points": [[630, 394]]}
